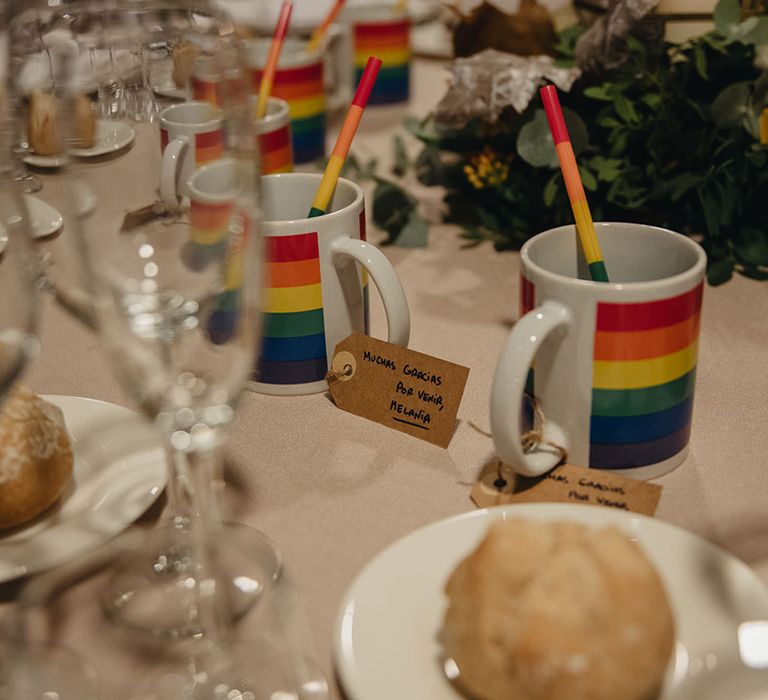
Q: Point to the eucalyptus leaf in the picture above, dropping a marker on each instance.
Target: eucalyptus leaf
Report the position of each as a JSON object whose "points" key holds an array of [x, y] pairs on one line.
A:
{"points": [[429, 166], [730, 105], [758, 35], [727, 15], [626, 109], [550, 190], [700, 59], [401, 160], [599, 92], [588, 179], [720, 271], [534, 142], [760, 91], [754, 272], [392, 207], [754, 250], [414, 233], [741, 30]]}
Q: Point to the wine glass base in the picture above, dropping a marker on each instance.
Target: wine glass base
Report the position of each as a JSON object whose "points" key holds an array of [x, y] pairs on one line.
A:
{"points": [[247, 670], [152, 590]]}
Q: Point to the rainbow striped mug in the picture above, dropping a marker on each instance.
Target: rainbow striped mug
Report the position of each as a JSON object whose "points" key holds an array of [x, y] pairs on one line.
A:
{"points": [[316, 294], [299, 80], [384, 32], [274, 128], [615, 363], [191, 135]]}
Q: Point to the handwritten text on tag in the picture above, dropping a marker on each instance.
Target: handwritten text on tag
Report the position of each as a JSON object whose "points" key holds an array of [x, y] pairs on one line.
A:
{"points": [[406, 390]]}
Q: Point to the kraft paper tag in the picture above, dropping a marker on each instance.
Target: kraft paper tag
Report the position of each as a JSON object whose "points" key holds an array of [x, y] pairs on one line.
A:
{"points": [[141, 217], [499, 485], [409, 391]]}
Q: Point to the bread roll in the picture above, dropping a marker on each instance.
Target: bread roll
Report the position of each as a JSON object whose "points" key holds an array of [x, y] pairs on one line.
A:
{"points": [[43, 124], [557, 611], [35, 457], [85, 123], [184, 57]]}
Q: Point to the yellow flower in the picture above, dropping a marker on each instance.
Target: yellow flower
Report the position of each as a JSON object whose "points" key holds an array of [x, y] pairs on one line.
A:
{"points": [[486, 169]]}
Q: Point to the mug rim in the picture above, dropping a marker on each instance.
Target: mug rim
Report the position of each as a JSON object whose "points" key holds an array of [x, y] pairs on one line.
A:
{"points": [[215, 121], [267, 122], [206, 197], [376, 14], [298, 59], [329, 216], [694, 271]]}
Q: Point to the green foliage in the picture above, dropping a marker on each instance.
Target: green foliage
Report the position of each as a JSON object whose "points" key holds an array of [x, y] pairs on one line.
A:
{"points": [[673, 141]]}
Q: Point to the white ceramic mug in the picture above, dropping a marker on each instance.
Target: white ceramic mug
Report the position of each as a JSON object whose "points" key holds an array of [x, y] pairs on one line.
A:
{"points": [[383, 31], [274, 128], [615, 362], [191, 135], [301, 80], [316, 294]]}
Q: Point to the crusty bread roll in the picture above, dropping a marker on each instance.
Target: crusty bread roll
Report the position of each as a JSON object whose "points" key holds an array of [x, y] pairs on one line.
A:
{"points": [[184, 56], [35, 457], [85, 123], [557, 611], [43, 124]]}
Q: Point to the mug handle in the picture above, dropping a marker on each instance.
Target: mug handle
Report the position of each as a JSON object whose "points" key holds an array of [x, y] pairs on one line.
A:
{"points": [[509, 385], [386, 280], [169, 170], [339, 77]]}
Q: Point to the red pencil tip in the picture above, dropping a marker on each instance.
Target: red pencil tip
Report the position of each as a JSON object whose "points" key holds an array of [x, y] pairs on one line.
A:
{"points": [[367, 80]]}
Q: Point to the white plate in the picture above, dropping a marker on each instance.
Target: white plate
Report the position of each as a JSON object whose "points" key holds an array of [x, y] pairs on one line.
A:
{"points": [[110, 137], [385, 642], [45, 219], [161, 80], [118, 473]]}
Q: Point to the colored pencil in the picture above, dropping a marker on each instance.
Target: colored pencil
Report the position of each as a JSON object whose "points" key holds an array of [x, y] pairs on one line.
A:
{"points": [[268, 77], [585, 227], [322, 28], [344, 141]]}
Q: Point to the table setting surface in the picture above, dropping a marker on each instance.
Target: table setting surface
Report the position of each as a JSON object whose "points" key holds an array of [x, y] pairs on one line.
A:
{"points": [[332, 489]]}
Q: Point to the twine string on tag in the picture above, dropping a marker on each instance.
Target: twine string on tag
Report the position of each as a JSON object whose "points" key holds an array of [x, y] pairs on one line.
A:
{"points": [[532, 438], [334, 373]]}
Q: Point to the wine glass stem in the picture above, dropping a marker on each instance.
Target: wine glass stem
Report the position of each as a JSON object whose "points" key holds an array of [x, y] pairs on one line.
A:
{"points": [[194, 506]]}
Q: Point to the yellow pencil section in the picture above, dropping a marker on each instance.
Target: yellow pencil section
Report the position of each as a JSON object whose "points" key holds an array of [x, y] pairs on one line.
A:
{"points": [[639, 374], [586, 230]]}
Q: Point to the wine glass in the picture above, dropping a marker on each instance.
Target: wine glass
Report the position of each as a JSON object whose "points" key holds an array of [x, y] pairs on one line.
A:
{"points": [[27, 63], [18, 270], [181, 329]]}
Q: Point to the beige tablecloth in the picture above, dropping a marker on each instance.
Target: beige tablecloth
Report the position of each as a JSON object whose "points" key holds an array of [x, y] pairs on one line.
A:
{"points": [[333, 489]]}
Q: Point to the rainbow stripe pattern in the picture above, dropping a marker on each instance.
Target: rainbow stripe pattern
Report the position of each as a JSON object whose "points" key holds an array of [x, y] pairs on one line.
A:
{"points": [[344, 140], [209, 228], [643, 374], [388, 40], [303, 89], [293, 345], [209, 146], [222, 324], [276, 150], [585, 227]]}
